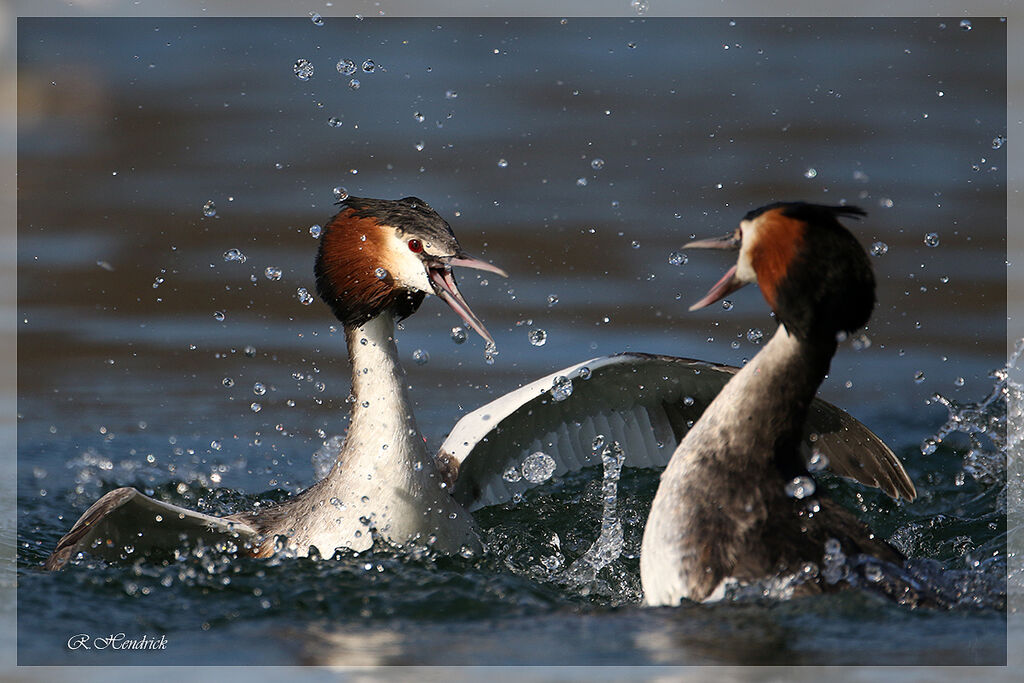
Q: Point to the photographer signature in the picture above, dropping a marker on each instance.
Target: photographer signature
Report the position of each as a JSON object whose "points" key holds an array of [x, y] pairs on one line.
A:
{"points": [[116, 641]]}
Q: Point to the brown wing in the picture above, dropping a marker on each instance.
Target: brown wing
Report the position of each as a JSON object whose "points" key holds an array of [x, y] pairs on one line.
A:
{"points": [[125, 524]]}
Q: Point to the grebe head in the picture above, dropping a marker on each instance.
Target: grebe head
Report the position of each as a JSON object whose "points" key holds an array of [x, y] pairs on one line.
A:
{"points": [[811, 270], [380, 254]]}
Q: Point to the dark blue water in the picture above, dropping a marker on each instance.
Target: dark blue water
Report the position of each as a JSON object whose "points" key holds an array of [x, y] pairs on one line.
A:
{"points": [[620, 140]]}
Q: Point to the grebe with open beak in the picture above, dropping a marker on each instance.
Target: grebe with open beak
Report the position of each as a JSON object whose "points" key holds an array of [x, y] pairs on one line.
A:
{"points": [[377, 261], [737, 502]]}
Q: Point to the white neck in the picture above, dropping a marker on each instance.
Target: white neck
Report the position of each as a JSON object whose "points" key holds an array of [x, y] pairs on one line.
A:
{"points": [[383, 428], [384, 478]]}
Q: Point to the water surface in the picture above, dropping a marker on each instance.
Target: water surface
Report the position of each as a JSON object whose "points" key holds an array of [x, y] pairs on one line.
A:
{"points": [[577, 155]]}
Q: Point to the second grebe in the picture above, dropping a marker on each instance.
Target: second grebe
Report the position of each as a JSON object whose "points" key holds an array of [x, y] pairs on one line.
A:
{"points": [[737, 502]]}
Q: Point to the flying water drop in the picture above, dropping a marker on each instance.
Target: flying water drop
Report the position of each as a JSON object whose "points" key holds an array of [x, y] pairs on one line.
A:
{"points": [[303, 69], [538, 467], [800, 487], [561, 388]]}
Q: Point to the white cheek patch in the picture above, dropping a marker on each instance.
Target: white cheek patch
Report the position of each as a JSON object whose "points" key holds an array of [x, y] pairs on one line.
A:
{"points": [[744, 269], [404, 266]]}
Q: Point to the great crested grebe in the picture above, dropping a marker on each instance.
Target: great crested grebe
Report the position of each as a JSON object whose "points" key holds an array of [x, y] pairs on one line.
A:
{"points": [[377, 260], [737, 502]]}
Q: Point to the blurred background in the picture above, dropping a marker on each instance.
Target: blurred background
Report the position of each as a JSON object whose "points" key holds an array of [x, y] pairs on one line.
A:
{"points": [[170, 171]]}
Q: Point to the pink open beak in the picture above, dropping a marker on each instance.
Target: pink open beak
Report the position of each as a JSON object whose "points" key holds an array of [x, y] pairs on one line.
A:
{"points": [[729, 283], [445, 287]]}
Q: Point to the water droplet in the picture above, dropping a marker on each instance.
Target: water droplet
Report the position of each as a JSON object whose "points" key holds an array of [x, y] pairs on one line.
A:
{"points": [[316, 19], [879, 248], [640, 6], [502, 163], [354, 84], [304, 297], [459, 334], [335, 122], [688, 401], [552, 300], [726, 304], [754, 335], [340, 193], [303, 69], [998, 141], [490, 352], [635, 244], [929, 446], [585, 372], [228, 382], [677, 258], [419, 117], [965, 25], [561, 388], [219, 316], [931, 239], [259, 388], [255, 407], [419, 146], [581, 182], [800, 487], [512, 474], [369, 66], [811, 173], [315, 230], [860, 342], [818, 461], [450, 95], [598, 443], [918, 377], [234, 255], [273, 273], [346, 67], [209, 209], [538, 467], [538, 337], [381, 273], [420, 357], [597, 164]]}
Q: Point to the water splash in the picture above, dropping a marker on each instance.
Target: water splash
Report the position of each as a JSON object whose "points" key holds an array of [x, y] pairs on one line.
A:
{"points": [[608, 546], [985, 423]]}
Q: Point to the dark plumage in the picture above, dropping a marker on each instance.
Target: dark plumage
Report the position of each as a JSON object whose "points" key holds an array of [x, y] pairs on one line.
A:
{"points": [[737, 500]]}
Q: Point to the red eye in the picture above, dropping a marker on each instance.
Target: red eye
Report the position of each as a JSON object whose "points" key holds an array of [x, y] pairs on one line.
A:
{"points": [[415, 246]]}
